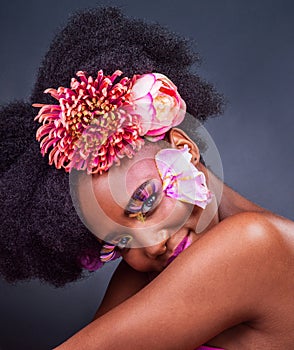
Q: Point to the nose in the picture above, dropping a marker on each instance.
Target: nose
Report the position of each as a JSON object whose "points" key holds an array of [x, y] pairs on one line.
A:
{"points": [[160, 248], [155, 250]]}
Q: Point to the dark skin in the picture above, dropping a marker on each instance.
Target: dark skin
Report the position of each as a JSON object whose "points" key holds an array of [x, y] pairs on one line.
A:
{"points": [[232, 288]]}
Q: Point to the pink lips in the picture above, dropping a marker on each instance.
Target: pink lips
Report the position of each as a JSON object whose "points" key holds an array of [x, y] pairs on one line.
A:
{"points": [[185, 243]]}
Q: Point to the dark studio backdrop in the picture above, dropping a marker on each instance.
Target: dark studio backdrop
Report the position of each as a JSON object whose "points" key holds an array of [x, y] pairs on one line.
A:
{"points": [[248, 53]]}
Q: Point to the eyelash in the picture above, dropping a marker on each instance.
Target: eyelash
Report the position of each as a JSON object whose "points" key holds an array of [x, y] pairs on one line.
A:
{"points": [[145, 198], [110, 251]]}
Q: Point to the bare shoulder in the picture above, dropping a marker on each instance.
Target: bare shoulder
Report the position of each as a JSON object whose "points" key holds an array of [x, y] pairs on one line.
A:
{"points": [[253, 256], [251, 231], [250, 253]]}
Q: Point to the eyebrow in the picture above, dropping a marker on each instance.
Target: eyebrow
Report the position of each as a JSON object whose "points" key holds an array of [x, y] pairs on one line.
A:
{"points": [[109, 237]]}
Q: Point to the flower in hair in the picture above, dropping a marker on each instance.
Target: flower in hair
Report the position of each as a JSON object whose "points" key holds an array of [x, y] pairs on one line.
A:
{"points": [[164, 107], [98, 122], [181, 179], [90, 263]]}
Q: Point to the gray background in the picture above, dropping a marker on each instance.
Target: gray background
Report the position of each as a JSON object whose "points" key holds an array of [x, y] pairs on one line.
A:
{"points": [[248, 52]]}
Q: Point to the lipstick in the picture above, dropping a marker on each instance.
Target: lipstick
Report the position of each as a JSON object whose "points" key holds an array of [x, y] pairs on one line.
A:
{"points": [[185, 243]]}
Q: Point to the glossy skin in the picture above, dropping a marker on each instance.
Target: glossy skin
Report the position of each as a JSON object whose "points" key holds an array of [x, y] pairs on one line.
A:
{"points": [[232, 288]]}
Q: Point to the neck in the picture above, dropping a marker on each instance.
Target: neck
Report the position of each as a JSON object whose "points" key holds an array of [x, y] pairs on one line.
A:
{"points": [[229, 201]]}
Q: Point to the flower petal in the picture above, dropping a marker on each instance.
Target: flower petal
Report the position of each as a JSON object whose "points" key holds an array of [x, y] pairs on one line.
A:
{"points": [[181, 179], [143, 85]]}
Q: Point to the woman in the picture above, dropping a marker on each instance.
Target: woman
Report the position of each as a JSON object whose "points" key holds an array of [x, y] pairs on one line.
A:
{"points": [[231, 286], [211, 300]]}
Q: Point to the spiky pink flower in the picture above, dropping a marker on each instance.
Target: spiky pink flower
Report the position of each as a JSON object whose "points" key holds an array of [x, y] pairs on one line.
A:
{"points": [[105, 141], [88, 129]]}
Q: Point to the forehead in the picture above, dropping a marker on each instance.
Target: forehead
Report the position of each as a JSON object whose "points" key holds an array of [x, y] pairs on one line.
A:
{"points": [[122, 180]]}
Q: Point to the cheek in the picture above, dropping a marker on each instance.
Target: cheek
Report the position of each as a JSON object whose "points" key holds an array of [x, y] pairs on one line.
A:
{"points": [[169, 218], [136, 258], [174, 213]]}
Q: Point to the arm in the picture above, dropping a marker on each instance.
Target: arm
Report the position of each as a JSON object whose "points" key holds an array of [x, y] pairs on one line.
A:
{"points": [[212, 286], [124, 283]]}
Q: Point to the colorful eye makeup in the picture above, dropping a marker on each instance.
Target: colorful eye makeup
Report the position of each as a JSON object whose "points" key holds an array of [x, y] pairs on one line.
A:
{"points": [[145, 199], [123, 241], [109, 251]]}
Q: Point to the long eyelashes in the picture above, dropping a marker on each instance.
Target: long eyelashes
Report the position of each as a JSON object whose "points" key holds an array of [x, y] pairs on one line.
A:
{"points": [[144, 199], [110, 251]]}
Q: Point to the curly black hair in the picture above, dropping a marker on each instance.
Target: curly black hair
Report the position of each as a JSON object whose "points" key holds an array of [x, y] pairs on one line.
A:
{"points": [[41, 234]]}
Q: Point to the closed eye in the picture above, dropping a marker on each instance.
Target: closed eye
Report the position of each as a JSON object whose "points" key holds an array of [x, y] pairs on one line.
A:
{"points": [[145, 198], [124, 241], [121, 241]]}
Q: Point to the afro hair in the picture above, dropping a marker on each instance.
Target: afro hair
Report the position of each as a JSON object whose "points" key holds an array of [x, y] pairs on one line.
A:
{"points": [[41, 233]]}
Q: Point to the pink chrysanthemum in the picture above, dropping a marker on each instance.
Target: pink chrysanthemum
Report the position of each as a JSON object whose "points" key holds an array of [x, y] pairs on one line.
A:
{"points": [[107, 139], [89, 129]]}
